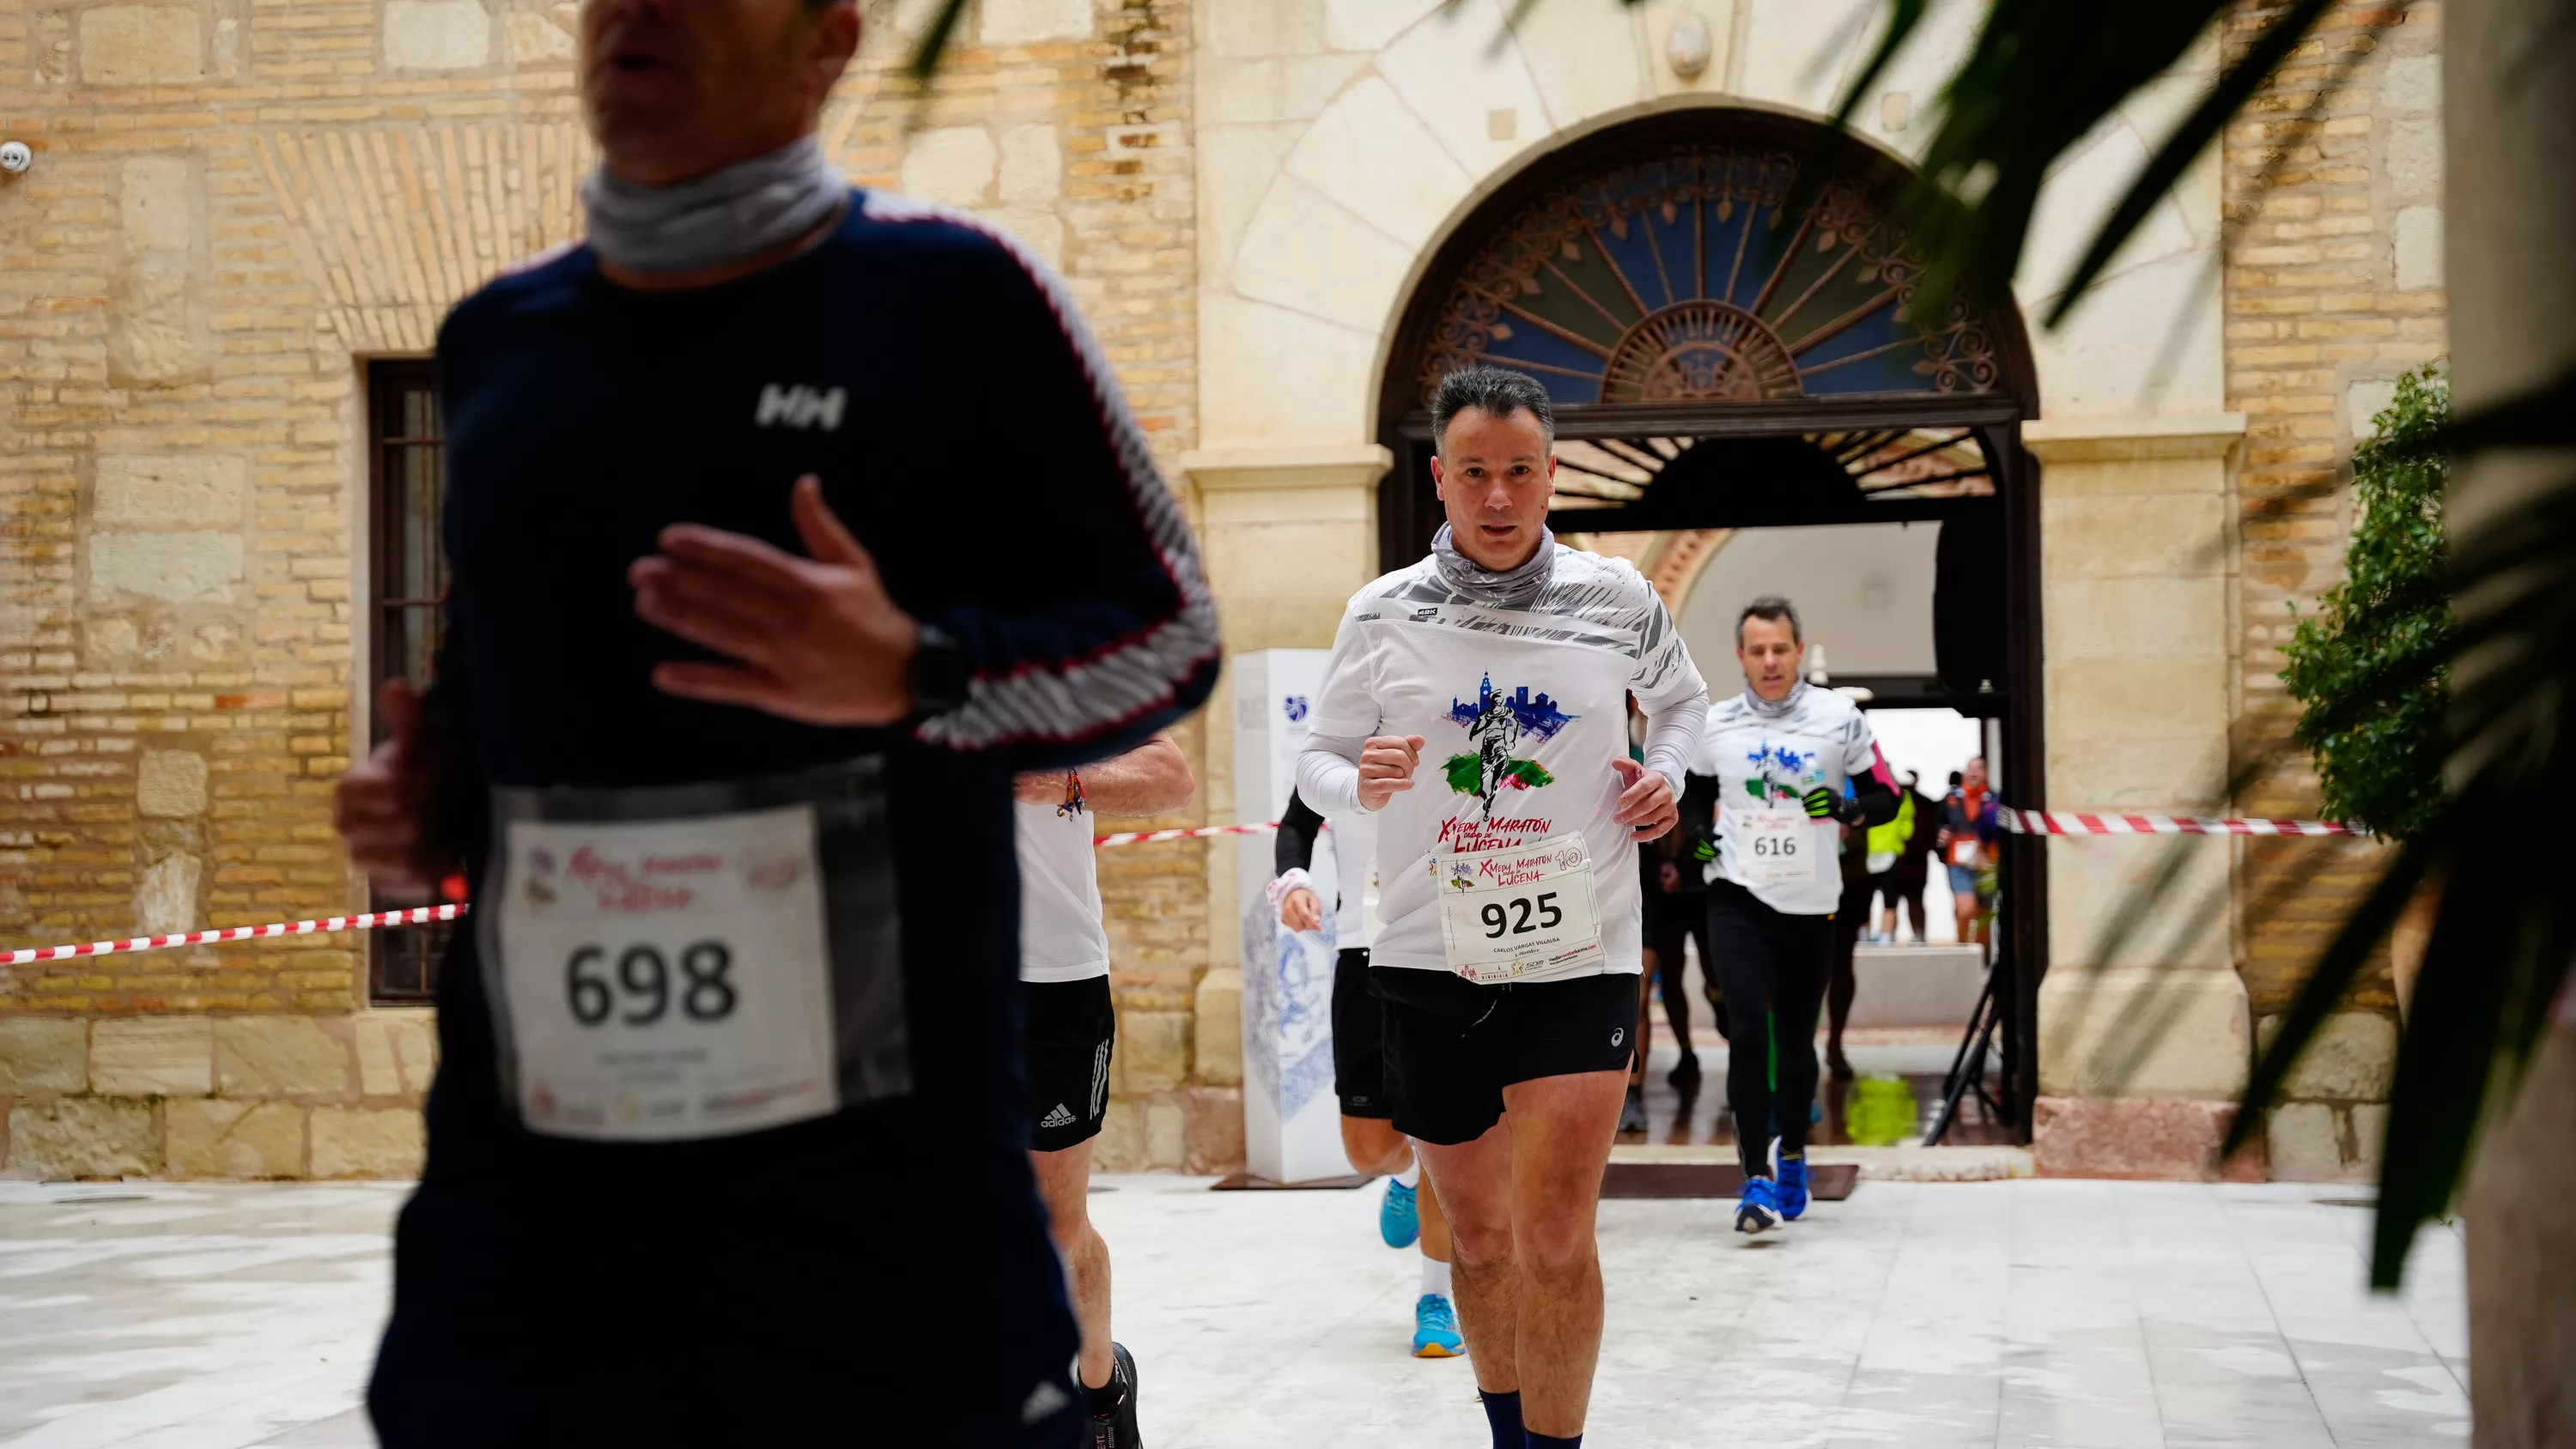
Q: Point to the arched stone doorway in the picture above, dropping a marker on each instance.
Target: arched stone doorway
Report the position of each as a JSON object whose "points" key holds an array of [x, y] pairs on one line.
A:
{"points": [[1718, 301]]}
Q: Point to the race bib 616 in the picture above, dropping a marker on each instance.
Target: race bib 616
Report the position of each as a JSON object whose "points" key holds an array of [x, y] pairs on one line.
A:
{"points": [[1776, 845]]}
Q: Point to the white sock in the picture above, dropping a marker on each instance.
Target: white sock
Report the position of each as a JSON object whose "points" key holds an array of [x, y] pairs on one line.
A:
{"points": [[1435, 1277], [1411, 1177]]}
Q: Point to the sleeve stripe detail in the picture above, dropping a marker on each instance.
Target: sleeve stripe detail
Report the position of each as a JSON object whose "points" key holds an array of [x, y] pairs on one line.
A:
{"points": [[1125, 679]]}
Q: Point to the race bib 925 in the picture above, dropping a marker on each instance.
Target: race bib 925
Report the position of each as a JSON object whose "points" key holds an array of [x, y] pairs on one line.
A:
{"points": [[1520, 913]]}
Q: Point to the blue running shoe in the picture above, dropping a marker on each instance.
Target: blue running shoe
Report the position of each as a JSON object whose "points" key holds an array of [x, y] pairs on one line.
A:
{"points": [[1758, 1211], [1435, 1328], [1398, 1220], [1793, 1188]]}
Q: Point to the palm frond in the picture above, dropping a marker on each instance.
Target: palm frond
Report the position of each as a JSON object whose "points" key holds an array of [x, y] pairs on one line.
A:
{"points": [[1904, 17], [2504, 937], [933, 50], [2040, 77], [2333, 974], [2164, 169], [2543, 417]]}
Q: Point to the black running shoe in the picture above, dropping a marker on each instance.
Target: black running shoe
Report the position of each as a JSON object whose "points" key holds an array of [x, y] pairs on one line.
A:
{"points": [[1632, 1112], [1684, 1076], [1117, 1428]]}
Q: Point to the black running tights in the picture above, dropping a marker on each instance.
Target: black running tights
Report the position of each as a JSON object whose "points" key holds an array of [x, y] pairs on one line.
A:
{"points": [[1770, 967]]}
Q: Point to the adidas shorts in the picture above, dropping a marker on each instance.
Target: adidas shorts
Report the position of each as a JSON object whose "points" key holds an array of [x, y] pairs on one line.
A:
{"points": [[1071, 1028]]}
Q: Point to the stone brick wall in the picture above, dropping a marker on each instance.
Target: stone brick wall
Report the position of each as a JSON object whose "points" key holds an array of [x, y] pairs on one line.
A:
{"points": [[2333, 287], [234, 203]]}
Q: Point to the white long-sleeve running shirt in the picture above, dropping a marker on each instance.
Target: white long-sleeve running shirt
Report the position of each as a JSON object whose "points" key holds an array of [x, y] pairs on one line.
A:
{"points": [[1523, 710]]}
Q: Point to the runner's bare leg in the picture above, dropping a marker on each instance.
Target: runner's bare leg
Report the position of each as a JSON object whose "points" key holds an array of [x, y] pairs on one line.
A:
{"points": [[1064, 1181], [1522, 1201], [1473, 1181], [1565, 1128]]}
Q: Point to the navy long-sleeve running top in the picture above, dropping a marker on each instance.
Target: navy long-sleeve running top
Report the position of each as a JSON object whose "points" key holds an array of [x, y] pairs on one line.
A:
{"points": [[967, 430]]}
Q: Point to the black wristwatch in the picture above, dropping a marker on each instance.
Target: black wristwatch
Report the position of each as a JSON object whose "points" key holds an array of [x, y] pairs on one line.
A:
{"points": [[938, 673]]}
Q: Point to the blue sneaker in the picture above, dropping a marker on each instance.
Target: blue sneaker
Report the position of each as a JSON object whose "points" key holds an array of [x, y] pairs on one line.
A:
{"points": [[1758, 1210], [1793, 1188], [1435, 1328], [1398, 1220]]}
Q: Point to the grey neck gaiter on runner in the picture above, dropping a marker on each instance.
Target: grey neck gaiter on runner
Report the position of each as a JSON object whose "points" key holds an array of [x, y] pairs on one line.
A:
{"points": [[1768, 709], [1515, 588], [739, 211]]}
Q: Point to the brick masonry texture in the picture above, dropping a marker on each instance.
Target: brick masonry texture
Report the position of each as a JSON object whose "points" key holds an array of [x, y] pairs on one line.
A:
{"points": [[234, 202], [2332, 177]]}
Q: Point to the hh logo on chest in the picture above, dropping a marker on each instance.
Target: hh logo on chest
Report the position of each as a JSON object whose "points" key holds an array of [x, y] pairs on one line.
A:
{"points": [[800, 407]]}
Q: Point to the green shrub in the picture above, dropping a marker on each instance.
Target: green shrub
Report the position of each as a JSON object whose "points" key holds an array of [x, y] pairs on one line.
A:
{"points": [[2369, 668]]}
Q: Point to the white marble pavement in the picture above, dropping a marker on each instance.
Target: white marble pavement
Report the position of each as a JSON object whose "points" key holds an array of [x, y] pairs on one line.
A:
{"points": [[2051, 1315]]}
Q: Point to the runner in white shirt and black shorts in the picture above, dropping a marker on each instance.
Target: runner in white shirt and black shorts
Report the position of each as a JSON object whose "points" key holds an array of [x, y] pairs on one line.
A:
{"points": [[1406, 1214], [1476, 703], [1072, 1027], [1767, 804]]}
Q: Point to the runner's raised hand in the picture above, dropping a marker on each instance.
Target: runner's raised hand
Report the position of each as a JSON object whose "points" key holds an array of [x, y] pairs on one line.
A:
{"points": [[1646, 804], [378, 805], [1387, 763], [1302, 910]]}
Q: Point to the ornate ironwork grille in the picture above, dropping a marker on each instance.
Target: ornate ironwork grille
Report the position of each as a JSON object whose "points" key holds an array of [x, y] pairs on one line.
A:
{"points": [[1671, 283], [1677, 277], [408, 486]]}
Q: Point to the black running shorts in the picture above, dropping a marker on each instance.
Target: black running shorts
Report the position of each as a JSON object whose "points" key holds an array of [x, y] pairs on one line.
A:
{"points": [[1452, 1046], [1359, 1056], [1072, 1025]]}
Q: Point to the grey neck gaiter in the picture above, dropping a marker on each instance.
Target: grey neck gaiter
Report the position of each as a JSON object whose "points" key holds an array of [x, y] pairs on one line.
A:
{"points": [[742, 210], [1767, 709], [1515, 588]]}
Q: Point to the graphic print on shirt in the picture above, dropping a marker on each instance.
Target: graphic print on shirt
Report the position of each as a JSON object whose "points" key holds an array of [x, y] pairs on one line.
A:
{"points": [[1495, 725], [1522, 710], [1781, 773]]}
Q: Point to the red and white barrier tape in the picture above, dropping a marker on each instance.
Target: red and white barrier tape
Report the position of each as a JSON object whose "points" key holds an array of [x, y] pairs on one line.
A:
{"points": [[367, 922], [2020, 822], [1148, 837], [422, 914], [2077, 822]]}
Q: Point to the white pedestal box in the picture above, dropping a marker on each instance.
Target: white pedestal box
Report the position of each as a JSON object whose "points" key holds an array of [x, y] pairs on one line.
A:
{"points": [[1291, 1120]]}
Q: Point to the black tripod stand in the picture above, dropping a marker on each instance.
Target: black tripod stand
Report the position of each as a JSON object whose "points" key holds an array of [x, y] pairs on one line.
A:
{"points": [[1968, 1066]]}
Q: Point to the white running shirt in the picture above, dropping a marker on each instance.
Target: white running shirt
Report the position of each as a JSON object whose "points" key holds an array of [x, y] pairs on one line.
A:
{"points": [[1523, 711], [1352, 839], [1765, 756], [1061, 937]]}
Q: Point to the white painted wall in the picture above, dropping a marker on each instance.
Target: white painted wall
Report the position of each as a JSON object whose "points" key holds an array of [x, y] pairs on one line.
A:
{"points": [[1863, 591]]}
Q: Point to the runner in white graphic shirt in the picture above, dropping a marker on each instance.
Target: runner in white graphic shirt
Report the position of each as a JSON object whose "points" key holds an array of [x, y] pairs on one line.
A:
{"points": [[1766, 806], [1508, 881]]}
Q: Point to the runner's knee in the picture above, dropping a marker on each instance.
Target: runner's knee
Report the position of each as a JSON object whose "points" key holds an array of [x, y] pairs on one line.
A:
{"points": [[1556, 1245], [1373, 1145]]}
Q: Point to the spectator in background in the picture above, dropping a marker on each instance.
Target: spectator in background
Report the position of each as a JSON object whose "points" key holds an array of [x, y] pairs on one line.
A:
{"points": [[1967, 844], [1900, 857]]}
